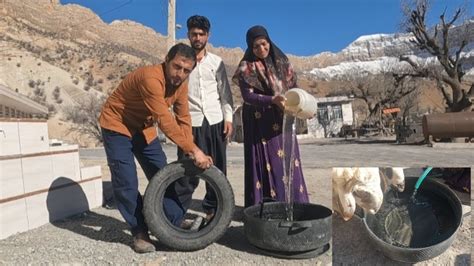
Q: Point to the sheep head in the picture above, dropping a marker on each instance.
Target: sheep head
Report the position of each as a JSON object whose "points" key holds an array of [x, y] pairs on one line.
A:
{"points": [[398, 179], [395, 177], [366, 189], [343, 202], [353, 186]]}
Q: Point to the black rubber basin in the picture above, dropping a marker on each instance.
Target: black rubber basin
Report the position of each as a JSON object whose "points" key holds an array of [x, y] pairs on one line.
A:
{"points": [[410, 231], [266, 227]]}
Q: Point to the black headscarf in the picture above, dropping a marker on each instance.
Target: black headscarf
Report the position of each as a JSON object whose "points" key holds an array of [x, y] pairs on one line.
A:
{"points": [[275, 70], [259, 31]]}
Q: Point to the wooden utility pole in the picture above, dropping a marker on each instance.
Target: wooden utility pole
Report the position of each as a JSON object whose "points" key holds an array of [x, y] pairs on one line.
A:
{"points": [[171, 23]]}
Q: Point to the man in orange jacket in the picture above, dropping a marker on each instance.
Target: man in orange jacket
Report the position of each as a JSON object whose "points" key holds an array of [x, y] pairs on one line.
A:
{"points": [[142, 100]]}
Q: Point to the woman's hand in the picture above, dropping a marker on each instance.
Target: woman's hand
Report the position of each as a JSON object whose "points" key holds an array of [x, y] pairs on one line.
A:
{"points": [[279, 100]]}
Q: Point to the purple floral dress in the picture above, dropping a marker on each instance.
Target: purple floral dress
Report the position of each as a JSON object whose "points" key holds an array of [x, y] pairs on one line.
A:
{"points": [[263, 149], [259, 80]]}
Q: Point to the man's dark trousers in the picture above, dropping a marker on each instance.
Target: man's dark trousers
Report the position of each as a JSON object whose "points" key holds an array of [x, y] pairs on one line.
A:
{"points": [[120, 150]]}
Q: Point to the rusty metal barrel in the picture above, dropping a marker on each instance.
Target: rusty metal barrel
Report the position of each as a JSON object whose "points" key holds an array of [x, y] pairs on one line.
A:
{"points": [[449, 125]]}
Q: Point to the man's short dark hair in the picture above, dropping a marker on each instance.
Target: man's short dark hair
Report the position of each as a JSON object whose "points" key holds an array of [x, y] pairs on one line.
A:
{"points": [[199, 22], [183, 50]]}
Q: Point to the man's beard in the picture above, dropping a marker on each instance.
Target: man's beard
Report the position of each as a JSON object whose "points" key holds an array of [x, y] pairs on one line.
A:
{"points": [[170, 87], [199, 48]]}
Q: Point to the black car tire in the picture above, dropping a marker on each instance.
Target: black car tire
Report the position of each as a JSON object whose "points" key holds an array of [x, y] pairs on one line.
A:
{"points": [[178, 238]]}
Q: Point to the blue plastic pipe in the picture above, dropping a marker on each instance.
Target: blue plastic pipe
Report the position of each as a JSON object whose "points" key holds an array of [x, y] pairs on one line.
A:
{"points": [[422, 177]]}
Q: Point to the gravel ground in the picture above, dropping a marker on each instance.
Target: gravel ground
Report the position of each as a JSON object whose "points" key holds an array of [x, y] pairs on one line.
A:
{"points": [[101, 237]]}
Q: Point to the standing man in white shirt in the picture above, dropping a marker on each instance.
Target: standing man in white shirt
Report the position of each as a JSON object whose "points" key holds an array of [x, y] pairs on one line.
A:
{"points": [[210, 105]]}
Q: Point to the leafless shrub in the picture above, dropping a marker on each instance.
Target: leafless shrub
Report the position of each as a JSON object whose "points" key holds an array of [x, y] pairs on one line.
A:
{"points": [[57, 95], [85, 116], [90, 81], [39, 96], [51, 109]]}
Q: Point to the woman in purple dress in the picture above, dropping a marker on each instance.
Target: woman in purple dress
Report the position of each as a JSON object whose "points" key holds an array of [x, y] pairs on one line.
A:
{"points": [[264, 75]]}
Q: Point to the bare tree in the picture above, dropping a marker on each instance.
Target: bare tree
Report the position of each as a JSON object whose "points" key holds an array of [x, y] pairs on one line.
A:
{"points": [[439, 43], [378, 92], [323, 120], [409, 103], [85, 116]]}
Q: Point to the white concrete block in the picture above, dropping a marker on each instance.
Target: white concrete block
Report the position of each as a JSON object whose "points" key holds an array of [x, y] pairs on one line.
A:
{"points": [[99, 196], [9, 138], [13, 218], [91, 171], [77, 165], [89, 191], [33, 137], [37, 210], [59, 202], [11, 178], [66, 165], [37, 173]]}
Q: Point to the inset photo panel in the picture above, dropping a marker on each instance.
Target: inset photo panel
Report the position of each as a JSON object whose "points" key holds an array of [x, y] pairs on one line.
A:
{"points": [[401, 216]]}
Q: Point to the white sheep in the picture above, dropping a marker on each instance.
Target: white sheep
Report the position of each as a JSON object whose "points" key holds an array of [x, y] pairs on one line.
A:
{"points": [[356, 185], [395, 178], [363, 186]]}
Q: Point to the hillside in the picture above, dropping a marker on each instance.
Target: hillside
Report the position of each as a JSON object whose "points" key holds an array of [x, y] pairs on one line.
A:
{"points": [[63, 54]]}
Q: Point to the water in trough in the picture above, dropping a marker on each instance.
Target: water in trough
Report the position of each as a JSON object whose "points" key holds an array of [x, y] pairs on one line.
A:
{"points": [[412, 222]]}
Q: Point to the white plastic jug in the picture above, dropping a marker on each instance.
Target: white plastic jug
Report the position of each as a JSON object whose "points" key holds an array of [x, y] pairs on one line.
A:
{"points": [[300, 104]]}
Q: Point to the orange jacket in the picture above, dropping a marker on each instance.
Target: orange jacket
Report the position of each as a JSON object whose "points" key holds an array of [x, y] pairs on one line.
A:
{"points": [[142, 99]]}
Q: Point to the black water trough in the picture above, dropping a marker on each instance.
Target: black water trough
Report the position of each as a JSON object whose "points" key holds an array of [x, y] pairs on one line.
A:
{"points": [[307, 236], [410, 231]]}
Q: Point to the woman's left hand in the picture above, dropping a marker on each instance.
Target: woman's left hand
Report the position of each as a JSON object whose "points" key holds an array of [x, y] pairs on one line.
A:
{"points": [[279, 100]]}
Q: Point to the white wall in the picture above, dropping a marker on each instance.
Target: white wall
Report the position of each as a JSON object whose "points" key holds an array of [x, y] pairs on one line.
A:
{"points": [[9, 138], [33, 137], [41, 183], [347, 114], [317, 130], [23, 137]]}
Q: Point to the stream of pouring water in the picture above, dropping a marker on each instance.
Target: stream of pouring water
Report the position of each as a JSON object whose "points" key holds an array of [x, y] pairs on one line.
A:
{"points": [[419, 181], [288, 140]]}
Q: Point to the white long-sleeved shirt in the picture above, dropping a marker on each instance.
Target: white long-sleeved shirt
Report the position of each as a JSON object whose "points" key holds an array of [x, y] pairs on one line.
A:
{"points": [[209, 92]]}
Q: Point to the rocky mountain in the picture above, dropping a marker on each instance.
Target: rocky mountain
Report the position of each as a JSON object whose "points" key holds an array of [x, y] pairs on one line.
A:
{"points": [[372, 54], [89, 54]]}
